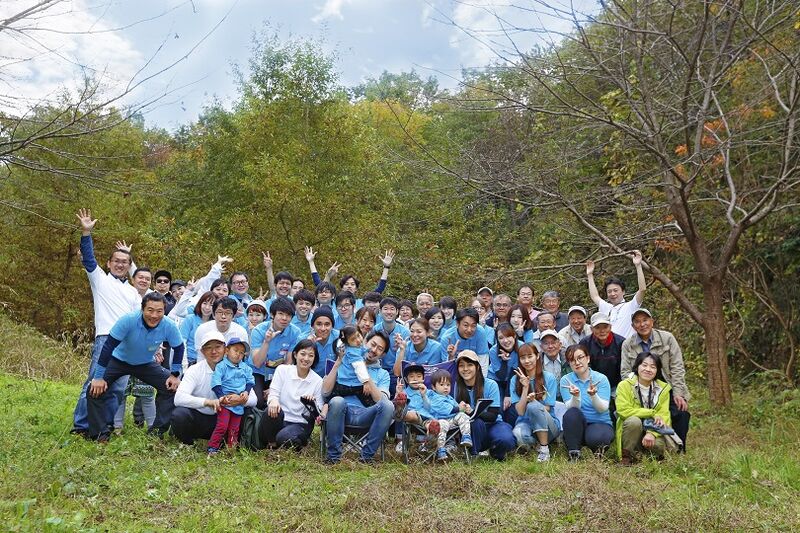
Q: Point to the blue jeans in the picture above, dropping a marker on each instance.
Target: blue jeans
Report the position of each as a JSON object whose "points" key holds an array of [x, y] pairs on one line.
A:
{"points": [[80, 419], [536, 419], [376, 417], [144, 409], [497, 437]]}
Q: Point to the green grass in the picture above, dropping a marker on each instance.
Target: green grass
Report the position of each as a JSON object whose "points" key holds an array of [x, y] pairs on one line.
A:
{"points": [[742, 472]]}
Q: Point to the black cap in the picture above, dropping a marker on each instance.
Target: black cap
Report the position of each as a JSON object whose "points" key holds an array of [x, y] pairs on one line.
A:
{"points": [[177, 282], [164, 273]]}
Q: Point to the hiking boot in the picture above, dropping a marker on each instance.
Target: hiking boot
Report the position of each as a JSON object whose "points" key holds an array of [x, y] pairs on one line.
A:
{"points": [[627, 458]]}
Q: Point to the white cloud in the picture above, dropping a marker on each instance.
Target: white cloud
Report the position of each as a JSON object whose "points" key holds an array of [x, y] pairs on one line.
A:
{"points": [[53, 50], [331, 8]]}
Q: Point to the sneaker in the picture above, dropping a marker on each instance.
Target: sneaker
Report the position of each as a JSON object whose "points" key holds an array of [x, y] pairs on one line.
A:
{"points": [[434, 428], [212, 451], [574, 456], [398, 448], [423, 448], [484, 453], [441, 454], [544, 454], [466, 441], [600, 453], [103, 438]]}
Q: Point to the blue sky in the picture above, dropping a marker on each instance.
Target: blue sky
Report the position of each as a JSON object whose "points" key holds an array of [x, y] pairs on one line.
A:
{"points": [[120, 40]]}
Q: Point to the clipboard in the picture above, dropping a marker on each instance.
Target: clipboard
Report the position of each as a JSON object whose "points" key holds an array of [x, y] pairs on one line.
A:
{"points": [[480, 407]]}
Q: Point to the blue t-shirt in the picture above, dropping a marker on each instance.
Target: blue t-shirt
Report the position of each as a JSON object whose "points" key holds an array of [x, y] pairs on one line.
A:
{"points": [[347, 374], [416, 403], [550, 386], [188, 327], [325, 351], [381, 379], [430, 355], [233, 379], [304, 327], [339, 322], [443, 406], [497, 370], [138, 342], [477, 343], [603, 391], [280, 346], [391, 354]]}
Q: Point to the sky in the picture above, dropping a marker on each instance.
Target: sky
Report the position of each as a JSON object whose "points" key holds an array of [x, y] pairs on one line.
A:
{"points": [[177, 55]]}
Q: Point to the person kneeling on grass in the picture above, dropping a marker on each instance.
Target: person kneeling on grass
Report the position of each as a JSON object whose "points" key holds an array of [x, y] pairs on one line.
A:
{"points": [[231, 379], [128, 351], [643, 417], [196, 405]]}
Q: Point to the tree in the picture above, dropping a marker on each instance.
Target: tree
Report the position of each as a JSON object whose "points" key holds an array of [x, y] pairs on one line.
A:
{"points": [[666, 126]]}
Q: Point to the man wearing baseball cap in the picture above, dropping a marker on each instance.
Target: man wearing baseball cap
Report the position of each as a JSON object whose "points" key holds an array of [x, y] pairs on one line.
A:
{"points": [[605, 349], [577, 329], [196, 404], [663, 344]]}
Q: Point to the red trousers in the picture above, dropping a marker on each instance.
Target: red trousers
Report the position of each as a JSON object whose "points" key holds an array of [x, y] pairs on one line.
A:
{"points": [[227, 428]]}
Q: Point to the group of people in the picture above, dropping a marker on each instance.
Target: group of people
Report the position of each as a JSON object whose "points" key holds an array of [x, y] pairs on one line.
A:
{"points": [[496, 376]]}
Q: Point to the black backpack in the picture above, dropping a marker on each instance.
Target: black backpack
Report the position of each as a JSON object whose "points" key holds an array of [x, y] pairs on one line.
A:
{"points": [[248, 432]]}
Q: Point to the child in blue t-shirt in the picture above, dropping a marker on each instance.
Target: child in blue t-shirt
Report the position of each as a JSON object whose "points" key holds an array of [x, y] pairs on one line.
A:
{"points": [[352, 373], [231, 378], [445, 409]]}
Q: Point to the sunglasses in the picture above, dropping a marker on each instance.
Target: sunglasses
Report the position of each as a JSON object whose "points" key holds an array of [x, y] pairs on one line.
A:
{"points": [[164, 280]]}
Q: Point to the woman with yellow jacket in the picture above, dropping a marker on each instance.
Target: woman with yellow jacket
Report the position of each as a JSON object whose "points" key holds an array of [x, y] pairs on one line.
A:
{"points": [[643, 420]]}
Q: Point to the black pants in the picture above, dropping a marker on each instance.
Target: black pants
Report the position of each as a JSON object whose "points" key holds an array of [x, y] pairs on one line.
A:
{"points": [[260, 386], [680, 420], [151, 373], [189, 424], [278, 431]]}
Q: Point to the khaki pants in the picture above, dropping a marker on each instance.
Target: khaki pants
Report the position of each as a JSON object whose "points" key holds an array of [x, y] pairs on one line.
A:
{"points": [[632, 434], [461, 420]]}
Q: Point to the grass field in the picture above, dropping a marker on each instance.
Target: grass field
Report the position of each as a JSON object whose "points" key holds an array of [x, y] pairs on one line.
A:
{"points": [[742, 472]]}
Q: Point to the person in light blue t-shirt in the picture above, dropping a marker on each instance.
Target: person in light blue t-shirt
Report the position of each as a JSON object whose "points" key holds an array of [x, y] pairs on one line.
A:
{"points": [[503, 360], [128, 351], [587, 393], [420, 348], [353, 370], [466, 336], [435, 319], [232, 378], [303, 305], [324, 337], [272, 343], [345, 309]]}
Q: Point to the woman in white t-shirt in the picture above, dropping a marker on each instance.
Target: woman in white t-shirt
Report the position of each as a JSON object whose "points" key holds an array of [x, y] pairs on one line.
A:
{"points": [[294, 401]]}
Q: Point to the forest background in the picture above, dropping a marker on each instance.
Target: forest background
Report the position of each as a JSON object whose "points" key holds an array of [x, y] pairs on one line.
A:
{"points": [[668, 128]]}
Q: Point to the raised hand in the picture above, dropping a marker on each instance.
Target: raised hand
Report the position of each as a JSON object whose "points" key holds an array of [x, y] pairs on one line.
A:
{"points": [[267, 260], [261, 294], [190, 285], [522, 378], [573, 390], [223, 260], [451, 350], [123, 246], [387, 258], [636, 257], [86, 220], [333, 270], [589, 267], [310, 254]]}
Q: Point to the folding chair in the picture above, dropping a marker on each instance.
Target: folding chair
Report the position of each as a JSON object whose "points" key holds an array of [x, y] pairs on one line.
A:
{"points": [[354, 436], [452, 438]]}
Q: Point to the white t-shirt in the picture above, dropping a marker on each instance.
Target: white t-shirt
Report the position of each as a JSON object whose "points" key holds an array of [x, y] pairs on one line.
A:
{"points": [[620, 315], [235, 330], [287, 387], [112, 299]]}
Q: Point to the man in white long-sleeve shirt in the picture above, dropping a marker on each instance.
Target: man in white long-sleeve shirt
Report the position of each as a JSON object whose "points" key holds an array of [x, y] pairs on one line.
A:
{"points": [[196, 405]]}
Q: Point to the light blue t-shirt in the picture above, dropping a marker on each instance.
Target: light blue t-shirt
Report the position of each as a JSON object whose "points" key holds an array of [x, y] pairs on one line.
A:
{"points": [[496, 364], [347, 374], [603, 391], [430, 355], [188, 327], [139, 342], [490, 391], [233, 379], [325, 351], [391, 354], [280, 346], [477, 343], [443, 406], [381, 379], [304, 327], [550, 386]]}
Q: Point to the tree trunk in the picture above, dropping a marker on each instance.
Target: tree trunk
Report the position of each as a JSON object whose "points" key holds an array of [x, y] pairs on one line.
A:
{"points": [[719, 384]]}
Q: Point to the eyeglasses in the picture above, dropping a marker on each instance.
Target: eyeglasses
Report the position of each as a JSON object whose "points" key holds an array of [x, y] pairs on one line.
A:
{"points": [[162, 280], [239, 282], [344, 306], [223, 314], [581, 358]]}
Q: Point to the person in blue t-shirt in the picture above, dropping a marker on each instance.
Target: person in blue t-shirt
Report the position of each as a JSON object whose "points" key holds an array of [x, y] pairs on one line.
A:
{"points": [[587, 393], [203, 312], [353, 371], [534, 392], [420, 348], [256, 314], [128, 351], [520, 319], [489, 432], [466, 336], [232, 378], [503, 360], [345, 309], [324, 337], [449, 307], [303, 305], [435, 319], [447, 412], [396, 333], [272, 343]]}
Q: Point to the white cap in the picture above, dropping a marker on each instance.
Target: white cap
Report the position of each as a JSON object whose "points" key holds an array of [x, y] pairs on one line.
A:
{"points": [[600, 318], [642, 310], [577, 308], [485, 289], [549, 333], [212, 336], [258, 302]]}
